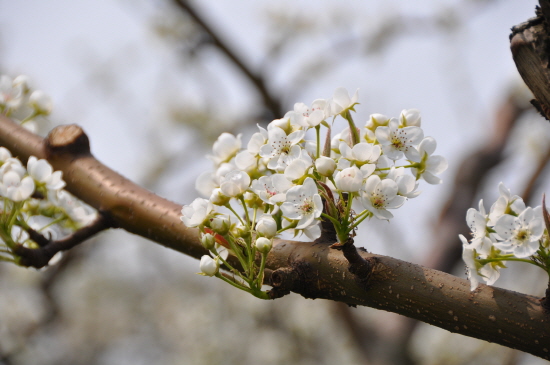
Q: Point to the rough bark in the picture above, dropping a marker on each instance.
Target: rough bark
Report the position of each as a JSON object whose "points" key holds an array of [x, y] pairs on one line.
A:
{"points": [[311, 269]]}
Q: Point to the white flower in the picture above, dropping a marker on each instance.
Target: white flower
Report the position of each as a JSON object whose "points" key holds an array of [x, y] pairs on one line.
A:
{"points": [[225, 148], [380, 195], [196, 213], [15, 188], [272, 189], [41, 102], [410, 117], [14, 165], [363, 154], [349, 180], [477, 221], [209, 266], [78, 211], [304, 203], [235, 183], [469, 256], [220, 224], [266, 226], [264, 244], [406, 184], [280, 148], [298, 167], [4, 154], [376, 120], [218, 198], [430, 165], [208, 241], [520, 234], [325, 165], [313, 231], [310, 117], [11, 96], [42, 172], [395, 141], [504, 203], [341, 101]]}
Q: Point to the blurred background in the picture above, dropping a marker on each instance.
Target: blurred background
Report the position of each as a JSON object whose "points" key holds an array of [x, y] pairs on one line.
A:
{"points": [[153, 84]]}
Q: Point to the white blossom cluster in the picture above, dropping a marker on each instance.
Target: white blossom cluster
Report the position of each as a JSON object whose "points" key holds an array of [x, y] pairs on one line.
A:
{"points": [[279, 180], [22, 104], [32, 196], [509, 232]]}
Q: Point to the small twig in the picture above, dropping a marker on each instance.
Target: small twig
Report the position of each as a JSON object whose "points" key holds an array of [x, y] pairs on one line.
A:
{"points": [[40, 257], [272, 103]]}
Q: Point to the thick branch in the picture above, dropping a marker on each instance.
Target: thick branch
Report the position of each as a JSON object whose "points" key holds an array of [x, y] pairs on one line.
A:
{"points": [[311, 269]]}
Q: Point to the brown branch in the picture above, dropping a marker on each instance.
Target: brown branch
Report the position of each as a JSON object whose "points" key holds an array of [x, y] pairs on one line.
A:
{"points": [[311, 269], [273, 104]]}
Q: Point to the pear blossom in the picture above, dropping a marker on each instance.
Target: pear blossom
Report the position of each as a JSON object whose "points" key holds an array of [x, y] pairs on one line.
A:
{"points": [[196, 213], [272, 189], [504, 204], [310, 117], [235, 183], [225, 148], [15, 188], [520, 234], [342, 102], [208, 241], [209, 266], [325, 166], [380, 195], [477, 221], [298, 167], [303, 203], [218, 198], [406, 184], [349, 180], [264, 244], [410, 117], [81, 213], [280, 148], [11, 96], [220, 224], [363, 154], [476, 271], [266, 226], [4, 155], [41, 102], [42, 172], [430, 165], [395, 141]]}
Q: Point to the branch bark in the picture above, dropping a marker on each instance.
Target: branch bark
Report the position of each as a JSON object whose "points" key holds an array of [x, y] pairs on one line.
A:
{"points": [[311, 269]]}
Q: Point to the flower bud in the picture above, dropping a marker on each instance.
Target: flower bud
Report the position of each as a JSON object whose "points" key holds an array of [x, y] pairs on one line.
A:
{"points": [[218, 198], [325, 166], [349, 179], [41, 102], [208, 241], [209, 266], [264, 244], [266, 226], [220, 224], [235, 183]]}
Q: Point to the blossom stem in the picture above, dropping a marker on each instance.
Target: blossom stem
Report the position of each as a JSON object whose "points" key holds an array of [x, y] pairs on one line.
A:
{"points": [[234, 283], [241, 198], [228, 206], [260, 279], [363, 215]]}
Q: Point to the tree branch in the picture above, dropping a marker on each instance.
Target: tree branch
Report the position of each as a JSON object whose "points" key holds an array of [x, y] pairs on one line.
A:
{"points": [[311, 269]]}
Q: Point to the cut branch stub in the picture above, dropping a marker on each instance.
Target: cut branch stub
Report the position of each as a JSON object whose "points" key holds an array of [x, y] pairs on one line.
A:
{"points": [[67, 139]]}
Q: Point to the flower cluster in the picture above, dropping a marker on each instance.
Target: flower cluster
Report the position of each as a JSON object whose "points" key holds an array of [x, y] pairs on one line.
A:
{"points": [[32, 199], [510, 232], [22, 104], [281, 181]]}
